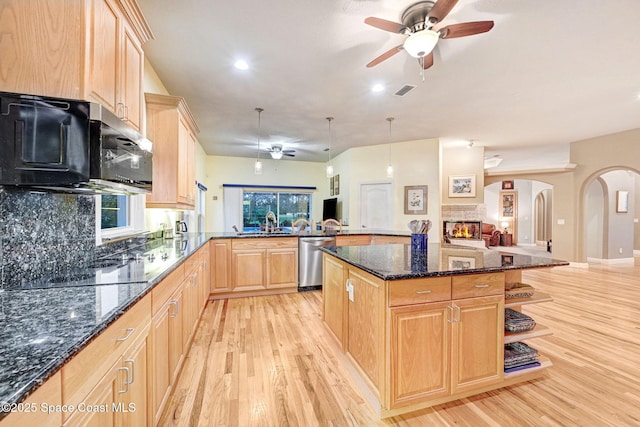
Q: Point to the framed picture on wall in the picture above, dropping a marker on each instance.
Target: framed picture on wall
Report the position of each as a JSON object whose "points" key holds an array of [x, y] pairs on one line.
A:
{"points": [[507, 185], [622, 201], [462, 186], [415, 199], [336, 185], [331, 185]]}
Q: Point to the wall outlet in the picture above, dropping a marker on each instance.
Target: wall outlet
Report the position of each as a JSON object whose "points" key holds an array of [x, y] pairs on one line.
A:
{"points": [[350, 290], [561, 222], [635, 220], [620, 251]]}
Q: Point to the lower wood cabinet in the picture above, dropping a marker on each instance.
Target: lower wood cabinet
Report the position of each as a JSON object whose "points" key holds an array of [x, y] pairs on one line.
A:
{"points": [[107, 381], [333, 297], [417, 342], [48, 393], [253, 266]]}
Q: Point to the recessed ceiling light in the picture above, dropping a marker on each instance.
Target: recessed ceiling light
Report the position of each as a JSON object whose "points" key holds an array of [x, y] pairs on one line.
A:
{"points": [[241, 64], [377, 88]]}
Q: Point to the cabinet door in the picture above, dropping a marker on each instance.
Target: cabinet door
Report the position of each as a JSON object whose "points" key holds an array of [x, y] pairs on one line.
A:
{"points": [[248, 269], [160, 373], [132, 71], [365, 339], [103, 63], [420, 343], [282, 268], [175, 335], [186, 156], [133, 403], [478, 342], [103, 395], [333, 296], [220, 252], [190, 310]]}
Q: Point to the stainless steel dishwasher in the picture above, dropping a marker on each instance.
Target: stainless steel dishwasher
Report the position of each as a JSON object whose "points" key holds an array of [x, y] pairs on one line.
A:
{"points": [[310, 261]]}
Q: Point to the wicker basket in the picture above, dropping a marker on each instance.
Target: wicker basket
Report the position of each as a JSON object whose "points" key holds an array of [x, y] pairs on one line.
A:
{"points": [[514, 321], [518, 290]]}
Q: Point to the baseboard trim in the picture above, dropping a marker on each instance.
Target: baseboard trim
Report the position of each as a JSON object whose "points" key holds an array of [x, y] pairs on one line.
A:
{"points": [[610, 261]]}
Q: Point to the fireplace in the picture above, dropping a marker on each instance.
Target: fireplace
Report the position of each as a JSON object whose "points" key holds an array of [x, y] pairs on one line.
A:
{"points": [[462, 230]]}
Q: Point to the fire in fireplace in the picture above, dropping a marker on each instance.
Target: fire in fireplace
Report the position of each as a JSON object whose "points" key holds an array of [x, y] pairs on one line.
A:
{"points": [[470, 230]]}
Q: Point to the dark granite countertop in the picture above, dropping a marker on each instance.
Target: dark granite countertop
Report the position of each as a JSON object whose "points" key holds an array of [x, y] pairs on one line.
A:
{"points": [[44, 323], [397, 262]]}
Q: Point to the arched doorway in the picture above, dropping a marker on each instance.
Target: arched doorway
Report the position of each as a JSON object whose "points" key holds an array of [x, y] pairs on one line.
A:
{"points": [[543, 217]]}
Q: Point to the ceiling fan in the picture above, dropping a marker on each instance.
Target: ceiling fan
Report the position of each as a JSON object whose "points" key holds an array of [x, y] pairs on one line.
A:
{"points": [[277, 151], [420, 23]]}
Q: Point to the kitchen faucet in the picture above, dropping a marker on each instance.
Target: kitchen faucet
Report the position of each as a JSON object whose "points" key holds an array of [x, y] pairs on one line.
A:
{"points": [[270, 220]]}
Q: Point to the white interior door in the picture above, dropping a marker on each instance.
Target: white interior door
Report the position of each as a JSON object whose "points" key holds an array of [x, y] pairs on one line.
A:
{"points": [[376, 206]]}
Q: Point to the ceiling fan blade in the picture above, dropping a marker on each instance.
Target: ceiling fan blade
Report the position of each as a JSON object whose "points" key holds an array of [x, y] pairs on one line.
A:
{"points": [[465, 29], [288, 154], [388, 54], [441, 9], [383, 24], [427, 61]]}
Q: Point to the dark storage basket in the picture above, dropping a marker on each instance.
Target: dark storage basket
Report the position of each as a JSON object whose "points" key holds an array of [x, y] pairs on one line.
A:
{"points": [[514, 321]]}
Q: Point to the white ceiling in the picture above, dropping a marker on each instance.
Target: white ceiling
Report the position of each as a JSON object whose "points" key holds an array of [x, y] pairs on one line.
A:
{"points": [[550, 72]]}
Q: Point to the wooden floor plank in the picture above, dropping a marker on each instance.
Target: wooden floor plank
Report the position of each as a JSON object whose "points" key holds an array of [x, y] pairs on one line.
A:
{"points": [[269, 361]]}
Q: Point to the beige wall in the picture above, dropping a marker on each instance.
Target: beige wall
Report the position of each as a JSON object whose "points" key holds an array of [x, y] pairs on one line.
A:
{"points": [[415, 163], [462, 161]]}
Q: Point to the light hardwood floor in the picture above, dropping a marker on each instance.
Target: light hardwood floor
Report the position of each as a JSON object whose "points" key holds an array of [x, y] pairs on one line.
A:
{"points": [[268, 361]]}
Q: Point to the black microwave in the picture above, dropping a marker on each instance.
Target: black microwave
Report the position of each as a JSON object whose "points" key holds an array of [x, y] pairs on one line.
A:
{"points": [[71, 146]]}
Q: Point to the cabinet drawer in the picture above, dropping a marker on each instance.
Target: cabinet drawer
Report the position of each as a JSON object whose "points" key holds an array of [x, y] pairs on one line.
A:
{"points": [[264, 243], [84, 371], [419, 291], [477, 285], [391, 240], [360, 240], [163, 290]]}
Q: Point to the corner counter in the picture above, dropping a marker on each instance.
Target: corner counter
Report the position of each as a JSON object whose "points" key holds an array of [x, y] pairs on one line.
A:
{"points": [[421, 330]]}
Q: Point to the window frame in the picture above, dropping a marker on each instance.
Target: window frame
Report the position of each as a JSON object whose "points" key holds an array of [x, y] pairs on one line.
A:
{"points": [[278, 191], [135, 219]]}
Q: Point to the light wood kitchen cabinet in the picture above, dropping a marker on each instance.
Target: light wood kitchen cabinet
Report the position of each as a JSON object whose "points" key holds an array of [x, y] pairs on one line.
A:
{"points": [[111, 370], [390, 240], [48, 393], [90, 49], [220, 252], [167, 345], [248, 269], [477, 343], [353, 240], [333, 297], [365, 328], [282, 268], [420, 346], [259, 266], [173, 131]]}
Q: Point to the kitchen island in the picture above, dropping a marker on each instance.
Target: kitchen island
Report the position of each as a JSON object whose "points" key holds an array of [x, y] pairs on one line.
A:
{"points": [[423, 329]]}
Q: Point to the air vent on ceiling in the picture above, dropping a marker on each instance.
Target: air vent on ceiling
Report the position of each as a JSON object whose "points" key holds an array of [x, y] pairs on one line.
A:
{"points": [[404, 90]]}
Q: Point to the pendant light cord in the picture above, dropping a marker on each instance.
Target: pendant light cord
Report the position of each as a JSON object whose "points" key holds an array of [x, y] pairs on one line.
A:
{"points": [[259, 110]]}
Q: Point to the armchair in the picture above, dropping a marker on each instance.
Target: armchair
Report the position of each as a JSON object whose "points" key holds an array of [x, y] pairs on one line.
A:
{"points": [[490, 235]]}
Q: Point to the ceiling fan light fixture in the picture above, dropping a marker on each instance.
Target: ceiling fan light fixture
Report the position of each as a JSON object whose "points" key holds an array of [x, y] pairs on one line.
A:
{"points": [[276, 155], [421, 43]]}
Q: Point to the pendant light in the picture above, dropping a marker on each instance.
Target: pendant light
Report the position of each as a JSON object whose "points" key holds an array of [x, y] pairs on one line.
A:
{"points": [[257, 168], [329, 166], [389, 166]]}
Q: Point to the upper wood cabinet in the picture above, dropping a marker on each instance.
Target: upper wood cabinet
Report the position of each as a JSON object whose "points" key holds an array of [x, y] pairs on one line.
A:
{"points": [[173, 131], [90, 49]]}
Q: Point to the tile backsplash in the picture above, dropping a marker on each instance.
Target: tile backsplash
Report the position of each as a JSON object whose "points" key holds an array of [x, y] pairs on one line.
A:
{"points": [[42, 234]]}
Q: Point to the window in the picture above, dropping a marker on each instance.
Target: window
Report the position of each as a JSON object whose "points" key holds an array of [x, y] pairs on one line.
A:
{"points": [[114, 211], [118, 215], [288, 207]]}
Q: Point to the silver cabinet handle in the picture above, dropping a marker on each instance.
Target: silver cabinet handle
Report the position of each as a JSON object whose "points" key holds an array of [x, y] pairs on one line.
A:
{"points": [[120, 110], [450, 319], [175, 304], [459, 314], [133, 369], [130, 332], [195, 279], [426, 291], [127, 383], [484, 285]]}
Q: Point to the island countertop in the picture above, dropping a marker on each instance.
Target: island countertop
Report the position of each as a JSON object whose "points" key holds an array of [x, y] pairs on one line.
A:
{"points": [[397, 262]]}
